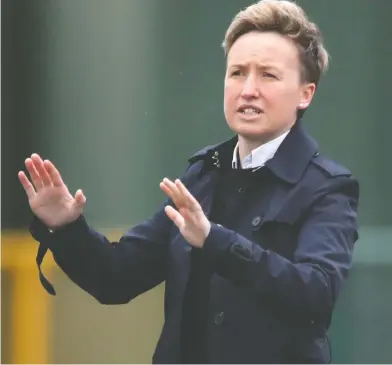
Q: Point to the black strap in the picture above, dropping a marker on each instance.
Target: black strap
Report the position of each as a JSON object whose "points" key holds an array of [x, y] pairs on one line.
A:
{"points": [[41, 234], [45, 282]]}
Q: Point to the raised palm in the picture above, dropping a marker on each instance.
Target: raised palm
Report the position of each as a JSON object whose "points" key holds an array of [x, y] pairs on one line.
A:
{"points": [[49, 198]]}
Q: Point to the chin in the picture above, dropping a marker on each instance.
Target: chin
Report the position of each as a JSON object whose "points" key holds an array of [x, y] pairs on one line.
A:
{"points": [[250, 131]]}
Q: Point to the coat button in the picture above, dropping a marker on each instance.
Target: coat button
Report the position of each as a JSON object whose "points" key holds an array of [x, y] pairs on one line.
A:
{"points": [[219, 318], [256, 221]]}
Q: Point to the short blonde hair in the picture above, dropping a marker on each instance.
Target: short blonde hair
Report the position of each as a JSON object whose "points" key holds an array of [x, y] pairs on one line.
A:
{"points": [[289, 19]]}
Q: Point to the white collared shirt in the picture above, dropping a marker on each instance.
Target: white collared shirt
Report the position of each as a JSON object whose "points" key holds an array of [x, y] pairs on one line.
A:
{"points": [[260, 155]]}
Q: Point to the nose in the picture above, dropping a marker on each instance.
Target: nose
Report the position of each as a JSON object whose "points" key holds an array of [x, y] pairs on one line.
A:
{"points": [[250, 89]]}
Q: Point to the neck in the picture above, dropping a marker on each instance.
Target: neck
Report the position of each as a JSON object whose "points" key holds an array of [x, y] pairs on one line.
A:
{"points": [[246, 145]]}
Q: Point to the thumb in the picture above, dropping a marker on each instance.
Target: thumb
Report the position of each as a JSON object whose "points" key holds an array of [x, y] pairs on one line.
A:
{"points": [[80, 199]]}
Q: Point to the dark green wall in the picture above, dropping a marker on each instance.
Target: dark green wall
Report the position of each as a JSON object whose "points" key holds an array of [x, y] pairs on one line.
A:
{"points": [[119, 93]]}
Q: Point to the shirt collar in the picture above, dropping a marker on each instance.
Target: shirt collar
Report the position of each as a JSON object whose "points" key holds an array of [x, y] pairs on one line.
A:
{"points": [[289, 162], [260, 155]]}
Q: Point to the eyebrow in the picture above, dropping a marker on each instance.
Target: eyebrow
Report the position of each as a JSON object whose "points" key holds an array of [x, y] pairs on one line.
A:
{"points": [[243, 65]]}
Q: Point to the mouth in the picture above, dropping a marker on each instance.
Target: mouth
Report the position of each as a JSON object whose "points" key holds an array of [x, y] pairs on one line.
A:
{"points": [[249, 110]]}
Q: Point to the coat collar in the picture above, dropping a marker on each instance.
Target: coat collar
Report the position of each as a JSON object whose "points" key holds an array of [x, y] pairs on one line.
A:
{"points": [[294, 154], [289, 162]]}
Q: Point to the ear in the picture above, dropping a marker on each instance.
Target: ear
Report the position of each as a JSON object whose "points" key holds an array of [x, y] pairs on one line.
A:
{"points": [[307, 93]]}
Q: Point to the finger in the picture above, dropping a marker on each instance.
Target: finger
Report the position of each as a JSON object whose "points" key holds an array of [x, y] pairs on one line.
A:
{"points": [[189, 199], [53, 173], [34, 176], [175, 216], [170, 192], [39, 166], [173, 188], [80, 199], [166, 190], [27, 186]]}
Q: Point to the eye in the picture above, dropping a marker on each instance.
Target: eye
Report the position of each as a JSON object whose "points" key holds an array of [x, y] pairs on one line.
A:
{"points": [[269, 75], [236, 73]]}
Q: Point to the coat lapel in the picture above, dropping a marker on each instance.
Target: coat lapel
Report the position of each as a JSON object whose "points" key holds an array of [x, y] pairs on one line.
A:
{"points": [[288, 166]]}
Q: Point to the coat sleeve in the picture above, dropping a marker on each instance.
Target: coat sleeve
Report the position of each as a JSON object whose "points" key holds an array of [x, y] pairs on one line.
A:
{"points": [[310, 283], [112, 272]]}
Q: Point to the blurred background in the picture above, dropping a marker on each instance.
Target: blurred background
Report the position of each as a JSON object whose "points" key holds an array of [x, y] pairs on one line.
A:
{"points": [[118, 94]]}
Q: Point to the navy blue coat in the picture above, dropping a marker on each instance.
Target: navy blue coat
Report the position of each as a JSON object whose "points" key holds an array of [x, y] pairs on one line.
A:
{"points": [[274, 286]]}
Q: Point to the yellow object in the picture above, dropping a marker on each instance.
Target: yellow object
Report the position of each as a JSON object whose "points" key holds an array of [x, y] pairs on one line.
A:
{"points": [[29, 302]]}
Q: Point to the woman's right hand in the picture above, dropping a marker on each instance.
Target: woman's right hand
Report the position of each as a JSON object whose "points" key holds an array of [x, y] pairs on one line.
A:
{"points": [[49, 198]]}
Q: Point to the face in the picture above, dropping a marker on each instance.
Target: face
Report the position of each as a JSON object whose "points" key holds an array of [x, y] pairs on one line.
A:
{"points": [[263, 88]]}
